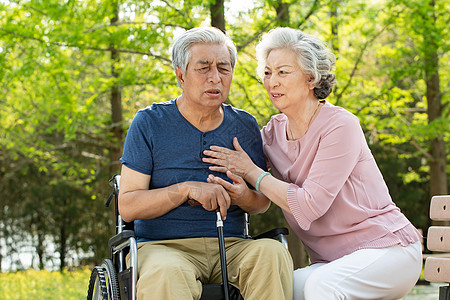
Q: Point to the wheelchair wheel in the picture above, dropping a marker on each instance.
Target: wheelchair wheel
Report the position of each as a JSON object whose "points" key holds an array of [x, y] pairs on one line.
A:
{"points": [[112, 284], [97, 285], [103, 284]]}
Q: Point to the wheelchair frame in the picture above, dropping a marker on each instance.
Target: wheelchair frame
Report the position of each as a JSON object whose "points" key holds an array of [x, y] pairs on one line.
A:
{"points": [[114, 281]]}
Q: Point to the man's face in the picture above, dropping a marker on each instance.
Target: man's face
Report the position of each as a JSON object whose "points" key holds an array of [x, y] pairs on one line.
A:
{"points": [[208, 75]]}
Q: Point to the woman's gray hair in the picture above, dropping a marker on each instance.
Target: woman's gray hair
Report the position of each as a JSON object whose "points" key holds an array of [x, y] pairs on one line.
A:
{"points": [[181, 53], [314, 57]]}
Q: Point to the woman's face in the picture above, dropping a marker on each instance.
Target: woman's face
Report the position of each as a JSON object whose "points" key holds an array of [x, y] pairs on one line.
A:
{"points": [[285, 81]]}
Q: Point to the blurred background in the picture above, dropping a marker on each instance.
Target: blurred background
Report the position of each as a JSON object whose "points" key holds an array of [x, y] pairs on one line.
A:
{"points": [[74, 72]]}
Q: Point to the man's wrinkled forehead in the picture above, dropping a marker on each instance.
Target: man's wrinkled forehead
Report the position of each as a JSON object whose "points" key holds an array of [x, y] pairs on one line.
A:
{"points": [[208, 54]]}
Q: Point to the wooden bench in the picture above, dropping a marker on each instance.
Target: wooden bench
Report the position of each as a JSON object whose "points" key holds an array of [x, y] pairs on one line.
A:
{"points": [[437, 267]]}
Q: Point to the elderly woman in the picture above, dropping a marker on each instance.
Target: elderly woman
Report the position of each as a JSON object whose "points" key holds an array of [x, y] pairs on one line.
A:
{"points": [[325, 179]]}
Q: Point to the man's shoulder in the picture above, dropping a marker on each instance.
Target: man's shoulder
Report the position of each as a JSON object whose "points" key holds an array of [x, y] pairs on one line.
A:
{"points": [[157, 107], [238, 113], [156, 110]]}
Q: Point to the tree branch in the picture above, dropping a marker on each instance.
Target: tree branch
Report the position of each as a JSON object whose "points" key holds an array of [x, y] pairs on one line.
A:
{"points": [[165, 59], [421, 150], [255, 36], [355, 66], [309, 14], [29, 7], [186, 17], [134, 23]]}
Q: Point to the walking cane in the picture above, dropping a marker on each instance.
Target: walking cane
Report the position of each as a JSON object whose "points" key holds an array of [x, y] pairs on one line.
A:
{"points": [[223, 259]]}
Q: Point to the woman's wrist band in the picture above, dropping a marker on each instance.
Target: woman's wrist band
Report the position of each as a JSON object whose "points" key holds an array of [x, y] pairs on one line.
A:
{"points": [[258, 181]]}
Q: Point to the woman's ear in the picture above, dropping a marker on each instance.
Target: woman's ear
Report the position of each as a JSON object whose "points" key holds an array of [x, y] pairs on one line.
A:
{"points": [[310, 82]]}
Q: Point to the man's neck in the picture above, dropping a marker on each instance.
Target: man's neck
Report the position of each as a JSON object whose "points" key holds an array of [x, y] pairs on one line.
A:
{"points": [[203, 118]]}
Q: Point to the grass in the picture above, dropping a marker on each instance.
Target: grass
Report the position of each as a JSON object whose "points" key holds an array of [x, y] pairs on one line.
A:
{"points": [[32, 284], [46, 285]]}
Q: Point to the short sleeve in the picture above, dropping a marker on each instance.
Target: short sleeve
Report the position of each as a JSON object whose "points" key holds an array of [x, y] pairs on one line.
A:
{"points": [[137, 150]]}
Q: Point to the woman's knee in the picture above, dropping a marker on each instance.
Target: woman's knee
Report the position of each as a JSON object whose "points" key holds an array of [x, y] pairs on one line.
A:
{"points": [[317, 283], [301, 276]]}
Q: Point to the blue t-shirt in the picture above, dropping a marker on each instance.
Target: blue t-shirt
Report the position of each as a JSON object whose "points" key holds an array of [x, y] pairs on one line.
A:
{"points": [[162, 143]]}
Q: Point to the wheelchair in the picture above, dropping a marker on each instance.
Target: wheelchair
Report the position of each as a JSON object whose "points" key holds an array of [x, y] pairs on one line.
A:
{"points": [[114, 281]]}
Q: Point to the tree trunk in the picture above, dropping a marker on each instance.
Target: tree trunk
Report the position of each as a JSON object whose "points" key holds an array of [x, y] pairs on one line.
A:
{"points": [[40, 249], [282, 9], [334, 4], [116, 102], [40, 232], [1, 234], [437, 163], [217, 11], [2, 206], [2, 224], [62, 247]]}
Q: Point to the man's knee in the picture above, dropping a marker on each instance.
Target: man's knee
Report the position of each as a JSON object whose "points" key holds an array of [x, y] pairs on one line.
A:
{"points": [[267, 271], [168, 278], [266, 256], [163, 267], [162, 263], [273, 251], [269, 246]]}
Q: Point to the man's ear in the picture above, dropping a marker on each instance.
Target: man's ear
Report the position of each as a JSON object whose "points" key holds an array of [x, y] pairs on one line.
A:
{"points": [[180, 75]]}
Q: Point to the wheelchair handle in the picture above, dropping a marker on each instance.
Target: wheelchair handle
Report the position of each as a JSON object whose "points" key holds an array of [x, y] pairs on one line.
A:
{"points": [[115, 183]]}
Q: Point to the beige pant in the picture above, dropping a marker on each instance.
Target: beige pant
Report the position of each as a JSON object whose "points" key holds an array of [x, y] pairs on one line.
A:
{"points": [[175, 269]]}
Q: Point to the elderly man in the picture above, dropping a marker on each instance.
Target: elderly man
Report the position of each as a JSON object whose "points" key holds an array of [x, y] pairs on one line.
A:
{"points": [[166, 192]]}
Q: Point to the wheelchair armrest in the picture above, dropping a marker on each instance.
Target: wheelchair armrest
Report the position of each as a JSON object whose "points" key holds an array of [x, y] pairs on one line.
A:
{"points": [[125, 240], [272, 233], [279, 234], [121, 238]]}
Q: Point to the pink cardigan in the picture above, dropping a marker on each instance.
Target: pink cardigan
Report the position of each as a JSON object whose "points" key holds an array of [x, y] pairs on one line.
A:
{"points": [[337, 195]]}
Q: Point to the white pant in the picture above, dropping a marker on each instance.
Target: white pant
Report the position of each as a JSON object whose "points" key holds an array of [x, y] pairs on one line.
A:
{"points": [[388, 273]]}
